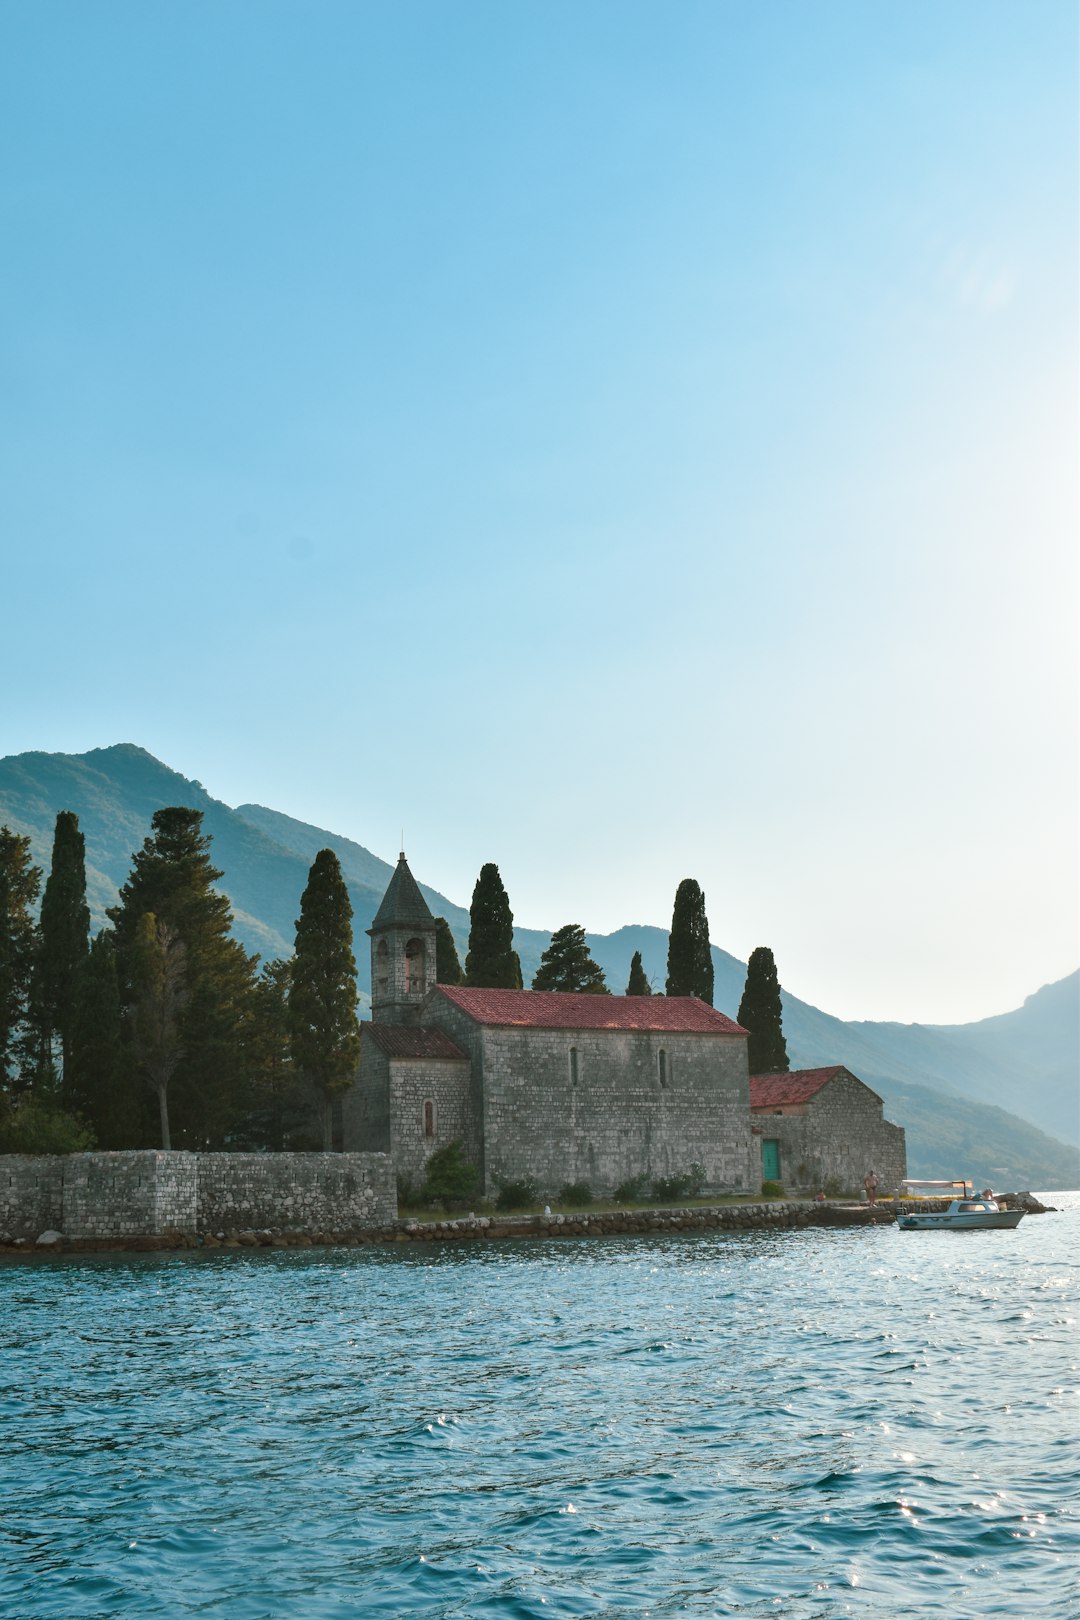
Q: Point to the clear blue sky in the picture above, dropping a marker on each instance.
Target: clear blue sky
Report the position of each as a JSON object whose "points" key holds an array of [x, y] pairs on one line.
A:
{"points": [[622, 441]]}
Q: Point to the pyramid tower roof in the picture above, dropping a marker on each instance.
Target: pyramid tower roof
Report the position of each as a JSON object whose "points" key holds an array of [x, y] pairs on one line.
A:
{"points": [[402, 905]]}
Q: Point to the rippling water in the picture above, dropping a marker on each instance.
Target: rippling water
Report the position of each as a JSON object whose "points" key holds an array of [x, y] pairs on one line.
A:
{"points": [[804, 1424]]}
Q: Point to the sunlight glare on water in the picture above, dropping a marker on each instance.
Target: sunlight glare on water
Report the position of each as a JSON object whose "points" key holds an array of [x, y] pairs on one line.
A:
{"points": [[805, 1424]]}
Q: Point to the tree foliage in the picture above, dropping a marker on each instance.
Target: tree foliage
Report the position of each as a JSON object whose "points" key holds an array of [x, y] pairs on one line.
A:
{"points": [[20, 881], [159, 995], [637, 984], [690, 967], [447, 963], [100, 1082], [761, 1012], [325, 1036], [173, 878], [492, 962], [567, 964], [63, 943]]}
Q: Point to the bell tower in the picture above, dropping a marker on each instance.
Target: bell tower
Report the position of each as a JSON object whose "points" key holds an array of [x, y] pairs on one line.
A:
{"points": [[402, 937]]}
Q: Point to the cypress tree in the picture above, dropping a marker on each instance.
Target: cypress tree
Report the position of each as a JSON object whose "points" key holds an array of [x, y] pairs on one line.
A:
{"points": [[637, 984], [19, 885], [567, 965], [690, 968], [492, 962], [325, 1036], [63, 941], [761, 1012], [99, 1080], [447, 963], [173, 877]]}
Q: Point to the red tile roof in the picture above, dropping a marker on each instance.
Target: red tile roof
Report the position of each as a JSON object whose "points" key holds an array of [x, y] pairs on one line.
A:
{"points": [[557, 1009], [404, 1041], [774, 1090]]}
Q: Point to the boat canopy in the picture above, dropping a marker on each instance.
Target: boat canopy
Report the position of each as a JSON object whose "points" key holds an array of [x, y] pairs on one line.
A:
{"points": [[913, 1188]]}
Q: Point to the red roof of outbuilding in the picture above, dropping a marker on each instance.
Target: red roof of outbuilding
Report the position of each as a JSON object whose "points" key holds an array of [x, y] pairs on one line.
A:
{"points": [[559, 1009], [774, 1090], [405, 1041]]}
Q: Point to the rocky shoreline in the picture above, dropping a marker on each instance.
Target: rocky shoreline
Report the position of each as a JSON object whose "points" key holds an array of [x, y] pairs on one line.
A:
{"points": [[773, 1215]]}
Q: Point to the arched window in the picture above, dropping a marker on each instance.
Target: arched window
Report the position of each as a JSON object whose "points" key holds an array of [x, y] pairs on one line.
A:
{"points": [[382, 967], [415, 965], [573, 1065], [662, 1065], [429, 1118]]}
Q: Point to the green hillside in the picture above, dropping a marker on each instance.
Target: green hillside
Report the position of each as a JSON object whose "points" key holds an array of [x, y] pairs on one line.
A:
{"points": [[976, 1099]]}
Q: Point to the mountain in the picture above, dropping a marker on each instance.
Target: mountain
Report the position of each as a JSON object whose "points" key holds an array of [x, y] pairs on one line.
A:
{"points": [[990, 1098]]}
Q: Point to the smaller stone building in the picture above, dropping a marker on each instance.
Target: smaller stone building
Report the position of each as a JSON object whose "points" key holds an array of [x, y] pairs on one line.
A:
{"points": [[823, 1129]]}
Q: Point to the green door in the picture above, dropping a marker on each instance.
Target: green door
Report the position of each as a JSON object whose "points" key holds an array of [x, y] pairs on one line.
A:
{"points": [[770, 1161]]}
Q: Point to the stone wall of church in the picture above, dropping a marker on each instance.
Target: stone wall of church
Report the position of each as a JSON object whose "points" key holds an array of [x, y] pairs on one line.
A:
{"points": [[602, 1106], [365, 1107], [444, 1084], [839, 1136]]}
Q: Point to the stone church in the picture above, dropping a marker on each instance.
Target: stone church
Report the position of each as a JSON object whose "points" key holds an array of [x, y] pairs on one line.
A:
{"points": [[555, 1087]]}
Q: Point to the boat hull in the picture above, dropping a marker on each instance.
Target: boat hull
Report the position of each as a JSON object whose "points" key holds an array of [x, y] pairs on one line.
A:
{"points": [[999, 1219]]}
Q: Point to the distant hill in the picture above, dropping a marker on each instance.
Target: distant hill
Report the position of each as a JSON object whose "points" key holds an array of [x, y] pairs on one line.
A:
{"points": [[993, 1098]]}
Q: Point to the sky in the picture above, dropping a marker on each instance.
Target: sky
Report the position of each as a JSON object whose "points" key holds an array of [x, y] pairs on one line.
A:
{"points": [[622, 441]]}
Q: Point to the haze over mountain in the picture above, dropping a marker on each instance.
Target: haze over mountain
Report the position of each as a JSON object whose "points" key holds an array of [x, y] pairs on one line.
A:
{"points": [[996, 1098]]}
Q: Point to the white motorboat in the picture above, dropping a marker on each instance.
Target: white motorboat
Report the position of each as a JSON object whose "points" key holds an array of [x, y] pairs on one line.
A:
{"points": [[952, 1206]]}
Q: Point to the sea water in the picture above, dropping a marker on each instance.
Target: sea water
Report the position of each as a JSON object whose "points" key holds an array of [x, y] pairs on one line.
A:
{"points": [[806, 1424]]}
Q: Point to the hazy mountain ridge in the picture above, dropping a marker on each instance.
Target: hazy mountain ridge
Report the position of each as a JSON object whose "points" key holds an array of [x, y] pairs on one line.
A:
{"points": [[947, 1084]]}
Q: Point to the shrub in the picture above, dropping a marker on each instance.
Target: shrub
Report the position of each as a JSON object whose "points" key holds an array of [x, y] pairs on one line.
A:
{"points": [[772, 1189], [631, 1190], [516, 1194], [687, 1184], [406, 1190], [449, 1178], [35, 1127], [833, 1187], [576, 1193]]}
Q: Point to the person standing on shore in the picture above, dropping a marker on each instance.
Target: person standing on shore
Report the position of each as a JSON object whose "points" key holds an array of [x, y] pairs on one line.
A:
{"points": [[870, 1182]]}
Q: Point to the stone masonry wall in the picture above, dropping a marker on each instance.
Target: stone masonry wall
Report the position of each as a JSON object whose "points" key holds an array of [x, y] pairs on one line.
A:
{"points": [[150, 1194], [295, 1191], [135, 1194], [31, 1194], [839, 1136], [445, 1083], [598, 1106], [365, 1107]]}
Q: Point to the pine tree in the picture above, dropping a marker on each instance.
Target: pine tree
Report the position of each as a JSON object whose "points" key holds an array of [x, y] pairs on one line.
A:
{"points": [[62, 944], [172, 876], [159, 986], [567, 965], [447, 963], [492, 962], [637, 984], [690, 968], [322, 999], [761, 1012], [19, 885], [278, 1116], [100, 1084]]}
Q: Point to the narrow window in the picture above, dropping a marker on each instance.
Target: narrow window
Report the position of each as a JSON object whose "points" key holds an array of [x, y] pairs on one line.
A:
{"points": [[663, 1068], [573, 1065], [429, 1118]]}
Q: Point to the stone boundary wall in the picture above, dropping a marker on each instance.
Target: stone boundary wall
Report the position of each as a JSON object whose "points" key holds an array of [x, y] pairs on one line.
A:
{"points": [[31, 1194], [149, 1195], [298, 1192]]}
